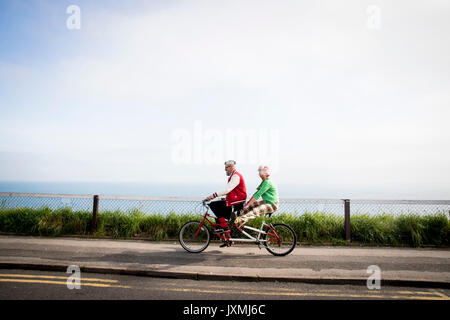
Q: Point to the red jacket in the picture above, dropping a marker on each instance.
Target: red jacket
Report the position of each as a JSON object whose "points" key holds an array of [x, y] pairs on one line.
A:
{"points": [[238, 194]]}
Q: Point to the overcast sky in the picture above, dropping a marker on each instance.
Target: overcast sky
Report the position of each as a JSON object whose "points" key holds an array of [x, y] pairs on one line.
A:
{"points": [[330, 99]]}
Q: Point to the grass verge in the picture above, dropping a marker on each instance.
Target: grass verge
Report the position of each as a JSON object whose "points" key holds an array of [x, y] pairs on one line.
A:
{"points": [[314, 228]]}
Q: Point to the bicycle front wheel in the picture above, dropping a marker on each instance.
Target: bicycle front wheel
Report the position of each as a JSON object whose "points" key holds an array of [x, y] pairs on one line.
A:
{"points": [[281, 239], [194, 238]]}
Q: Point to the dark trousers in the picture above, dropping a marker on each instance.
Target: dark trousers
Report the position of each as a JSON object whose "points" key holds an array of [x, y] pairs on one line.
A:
{"points": [[221, 210]]}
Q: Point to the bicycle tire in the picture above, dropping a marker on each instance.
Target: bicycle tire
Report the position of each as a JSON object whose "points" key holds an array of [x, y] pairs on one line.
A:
{"points": [[184, 241], [285, 229]]}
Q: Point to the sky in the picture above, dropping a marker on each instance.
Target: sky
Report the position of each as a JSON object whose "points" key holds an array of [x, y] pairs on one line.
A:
{"points": [[340, 98]]}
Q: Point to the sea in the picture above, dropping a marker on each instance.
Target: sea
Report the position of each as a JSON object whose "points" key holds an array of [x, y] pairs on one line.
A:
{"points": [[112, 188]]}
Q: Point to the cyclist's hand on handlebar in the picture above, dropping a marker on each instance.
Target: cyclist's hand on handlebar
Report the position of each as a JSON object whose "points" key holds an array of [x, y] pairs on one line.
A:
{"points": [[209, 198]]}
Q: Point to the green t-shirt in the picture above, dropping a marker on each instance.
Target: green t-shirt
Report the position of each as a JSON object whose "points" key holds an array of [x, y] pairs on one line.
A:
{"points": [[268, 191]]}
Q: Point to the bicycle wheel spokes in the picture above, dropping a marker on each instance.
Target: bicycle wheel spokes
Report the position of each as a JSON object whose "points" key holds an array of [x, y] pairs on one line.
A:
{"points": [[193, 238], [281, 239]]}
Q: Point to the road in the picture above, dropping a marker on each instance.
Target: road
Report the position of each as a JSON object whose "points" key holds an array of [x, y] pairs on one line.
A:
{"points": [[325, 265], [29, 284]]}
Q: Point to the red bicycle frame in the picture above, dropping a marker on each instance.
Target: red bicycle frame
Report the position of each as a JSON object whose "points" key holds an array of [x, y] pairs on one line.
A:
{"points": [[213, 225], [273, 236]]}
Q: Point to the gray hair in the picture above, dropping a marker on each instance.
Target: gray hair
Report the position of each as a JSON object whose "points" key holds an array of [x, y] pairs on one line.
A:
{"points": [[230, 162]]}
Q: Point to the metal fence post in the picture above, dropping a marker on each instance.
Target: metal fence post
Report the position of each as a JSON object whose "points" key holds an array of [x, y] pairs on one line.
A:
{"points": [[94, 214], [347, 219]]}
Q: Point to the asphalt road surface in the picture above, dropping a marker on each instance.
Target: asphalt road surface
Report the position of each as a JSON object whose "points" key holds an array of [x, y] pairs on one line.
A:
{"points": [[405, 264], [28, 284]]}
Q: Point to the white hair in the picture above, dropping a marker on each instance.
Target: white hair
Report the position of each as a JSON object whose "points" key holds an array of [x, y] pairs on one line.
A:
{"points": [[265, 170], [230, 162]]}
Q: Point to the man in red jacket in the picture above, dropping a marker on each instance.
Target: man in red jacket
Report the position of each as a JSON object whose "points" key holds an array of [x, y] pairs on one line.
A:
{"points": [[236, 195]]}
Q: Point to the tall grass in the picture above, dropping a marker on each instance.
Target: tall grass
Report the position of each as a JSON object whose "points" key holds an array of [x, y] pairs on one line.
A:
{"points": [[313, 227]]}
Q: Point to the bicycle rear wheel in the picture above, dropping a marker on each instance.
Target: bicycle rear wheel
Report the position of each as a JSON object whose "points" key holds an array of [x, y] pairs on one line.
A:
{"points": [[281, 240], [193, 238]]}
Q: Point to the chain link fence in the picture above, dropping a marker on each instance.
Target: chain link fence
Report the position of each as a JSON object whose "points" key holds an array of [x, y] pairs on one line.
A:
{"points": [[336, 211], [164, 206], [150, 205], [397, 207], [38, 201]]}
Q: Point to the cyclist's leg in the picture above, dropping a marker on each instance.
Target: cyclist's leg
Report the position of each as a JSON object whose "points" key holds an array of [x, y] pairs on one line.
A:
{"points": [[248, 212], [256, 204], [222, 212], [225, 214], [238, 207], [263, 207], [235, 212]]}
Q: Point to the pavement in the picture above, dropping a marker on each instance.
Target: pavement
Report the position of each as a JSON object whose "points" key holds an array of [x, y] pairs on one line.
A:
{"points": [[419, 267]]}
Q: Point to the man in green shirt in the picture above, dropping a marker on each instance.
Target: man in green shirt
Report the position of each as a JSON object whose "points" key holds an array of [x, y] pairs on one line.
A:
{"points": [[269, 202]]}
